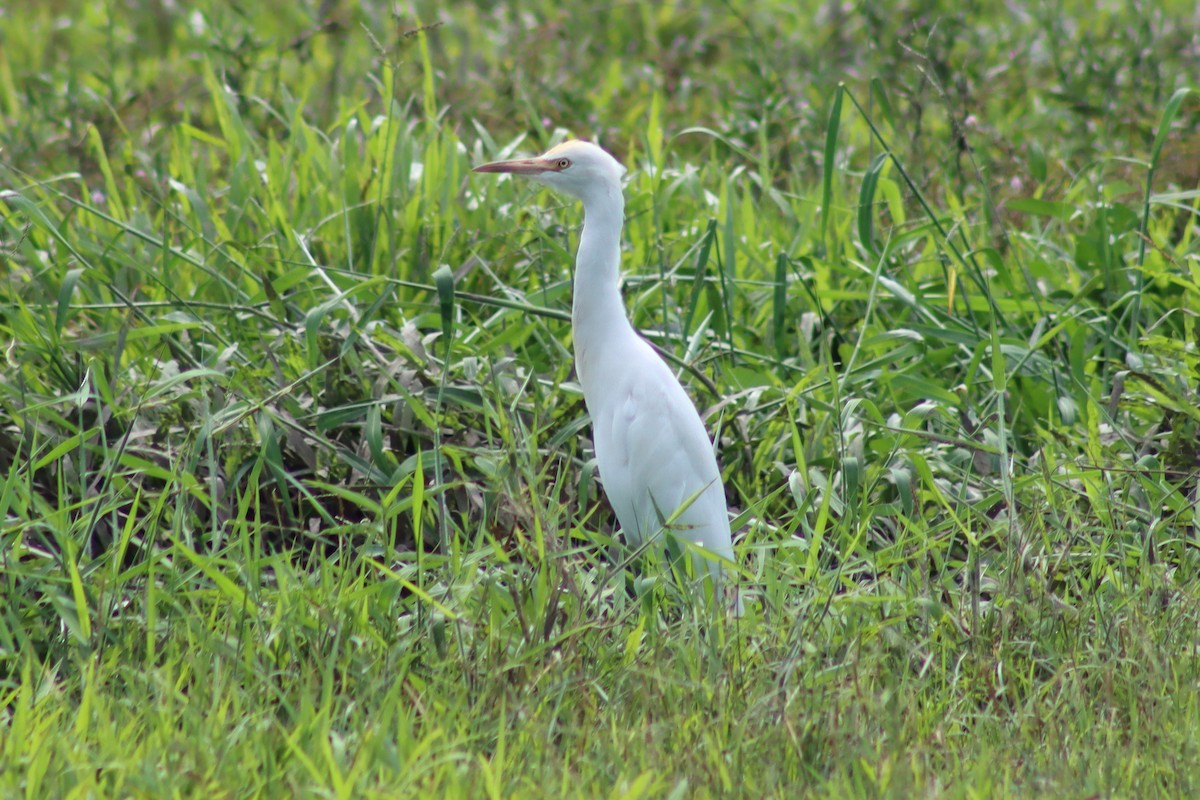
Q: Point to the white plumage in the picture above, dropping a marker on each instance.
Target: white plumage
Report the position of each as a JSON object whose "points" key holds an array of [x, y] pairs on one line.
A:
{"points": [[651, 446]]}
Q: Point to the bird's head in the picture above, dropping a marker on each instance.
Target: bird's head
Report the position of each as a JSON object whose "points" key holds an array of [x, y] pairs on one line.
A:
{"points": [[580, 169]]}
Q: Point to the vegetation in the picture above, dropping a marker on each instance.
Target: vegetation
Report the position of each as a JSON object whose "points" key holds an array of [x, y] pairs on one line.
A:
{"points": [[297, 491]]}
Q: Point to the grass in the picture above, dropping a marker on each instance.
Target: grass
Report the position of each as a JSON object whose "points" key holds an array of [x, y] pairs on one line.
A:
{"points": [[296, 486]]}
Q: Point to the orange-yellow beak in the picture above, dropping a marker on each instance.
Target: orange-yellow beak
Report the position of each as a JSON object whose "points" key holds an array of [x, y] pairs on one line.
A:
{"points": [[519, 166]]}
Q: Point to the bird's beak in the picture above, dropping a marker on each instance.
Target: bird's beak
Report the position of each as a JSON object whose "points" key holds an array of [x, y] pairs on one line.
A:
{"points": [[518, 166]]}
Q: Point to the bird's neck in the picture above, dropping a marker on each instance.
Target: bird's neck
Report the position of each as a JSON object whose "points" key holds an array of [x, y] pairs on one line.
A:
{"points": [[597, 313]]}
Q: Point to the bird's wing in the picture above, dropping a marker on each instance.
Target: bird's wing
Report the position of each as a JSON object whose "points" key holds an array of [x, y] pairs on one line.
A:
{"points": [[654, 455]]}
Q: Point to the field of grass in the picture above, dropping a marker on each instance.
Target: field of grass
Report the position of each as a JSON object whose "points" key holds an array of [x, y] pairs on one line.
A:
{"points": [[296, 485]]}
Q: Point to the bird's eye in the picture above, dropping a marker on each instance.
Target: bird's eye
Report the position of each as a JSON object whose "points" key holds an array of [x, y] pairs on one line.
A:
{"points": [[563, 163]]}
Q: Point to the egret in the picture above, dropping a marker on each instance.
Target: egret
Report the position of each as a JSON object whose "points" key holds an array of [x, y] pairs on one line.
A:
{"points": [[654, 455]]}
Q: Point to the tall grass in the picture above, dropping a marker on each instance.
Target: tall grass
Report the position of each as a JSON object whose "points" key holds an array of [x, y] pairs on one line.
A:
{"points": [[298, 494]]}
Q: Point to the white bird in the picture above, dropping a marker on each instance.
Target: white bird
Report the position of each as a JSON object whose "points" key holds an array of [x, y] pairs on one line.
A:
{"points": [[652, 450]]}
